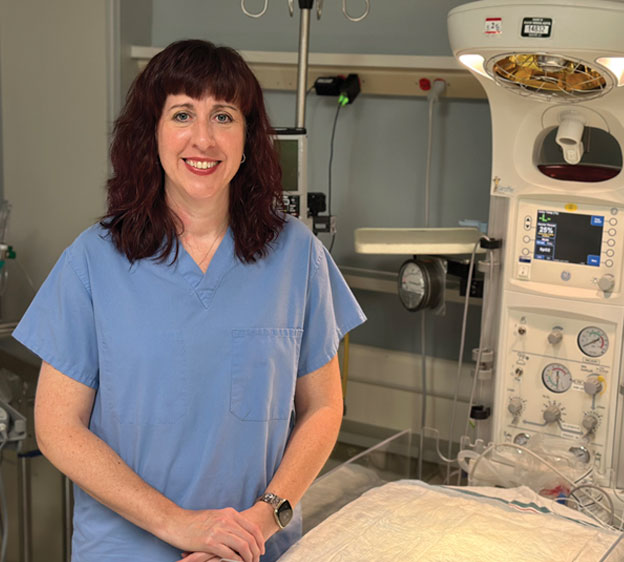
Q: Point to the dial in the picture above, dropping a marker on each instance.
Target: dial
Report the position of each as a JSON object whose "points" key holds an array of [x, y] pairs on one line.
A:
{"points": [[515, 406], [411, 285], [593, 385], [552, 414], [557, 377], [593, 341], [556, 335], [421, 283], [590, 422]]}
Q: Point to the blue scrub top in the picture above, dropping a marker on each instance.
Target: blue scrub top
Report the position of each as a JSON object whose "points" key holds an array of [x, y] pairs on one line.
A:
{"points": [[195, 373]]}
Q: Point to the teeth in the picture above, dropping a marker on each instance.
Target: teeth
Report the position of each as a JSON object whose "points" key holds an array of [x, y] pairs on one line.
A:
{"points": [[201, 165]]}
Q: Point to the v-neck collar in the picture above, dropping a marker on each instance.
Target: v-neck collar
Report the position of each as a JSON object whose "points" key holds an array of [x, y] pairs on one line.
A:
{"points": [[206, 284]]}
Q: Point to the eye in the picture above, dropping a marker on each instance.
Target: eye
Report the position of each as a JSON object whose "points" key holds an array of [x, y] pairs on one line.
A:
{"points": [[223, 118], [181, 117]]}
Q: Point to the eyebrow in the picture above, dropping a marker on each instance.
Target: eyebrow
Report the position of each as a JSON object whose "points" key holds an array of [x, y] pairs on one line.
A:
{"points": [[217, 106], [184, 105]]}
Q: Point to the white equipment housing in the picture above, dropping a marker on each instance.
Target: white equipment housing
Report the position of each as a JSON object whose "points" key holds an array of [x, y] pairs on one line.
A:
{"points": [[553, 72], [292, 146]]}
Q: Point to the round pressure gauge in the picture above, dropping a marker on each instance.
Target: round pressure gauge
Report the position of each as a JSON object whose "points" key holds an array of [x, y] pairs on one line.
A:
{"points": [[421, 283], [593, 341], [557, 377]]}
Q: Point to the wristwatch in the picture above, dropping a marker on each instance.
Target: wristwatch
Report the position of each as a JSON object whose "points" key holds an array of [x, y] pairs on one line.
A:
{"points": [[282, 510]]}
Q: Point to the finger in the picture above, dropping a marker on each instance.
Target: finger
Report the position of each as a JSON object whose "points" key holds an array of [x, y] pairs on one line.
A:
{"points": [[253, 529], [196, 557], [200, 557], [220, 548], [233, 534], [230, 546], [244, 545]]}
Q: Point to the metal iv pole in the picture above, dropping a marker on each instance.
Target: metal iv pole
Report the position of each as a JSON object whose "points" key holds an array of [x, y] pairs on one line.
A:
{"points": [[302, 62]]}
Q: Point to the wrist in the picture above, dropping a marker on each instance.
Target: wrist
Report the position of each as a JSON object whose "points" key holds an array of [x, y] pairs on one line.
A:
{"points": [[266, 516], [282, 510], [169, 520]]}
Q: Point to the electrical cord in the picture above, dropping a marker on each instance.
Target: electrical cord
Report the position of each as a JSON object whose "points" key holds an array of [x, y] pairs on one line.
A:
{"points": [[433, 96], [331, 160], [462, 343], [482, 343]]}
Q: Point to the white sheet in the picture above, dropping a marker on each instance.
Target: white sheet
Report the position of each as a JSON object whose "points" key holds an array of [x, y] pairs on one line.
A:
{"points": [[412, 521]]}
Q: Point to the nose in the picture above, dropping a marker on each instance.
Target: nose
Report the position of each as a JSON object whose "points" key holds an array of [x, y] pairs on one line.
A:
{"points": [[203, 135]]}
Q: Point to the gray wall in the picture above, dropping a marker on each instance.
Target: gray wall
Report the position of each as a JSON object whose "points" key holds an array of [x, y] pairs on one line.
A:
{"points": [[381, 142], [54, 130], [412, 27]]}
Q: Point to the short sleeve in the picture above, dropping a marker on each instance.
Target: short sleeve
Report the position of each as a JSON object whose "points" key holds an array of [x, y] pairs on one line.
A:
{"points": [[331, 312], [59, 324]]}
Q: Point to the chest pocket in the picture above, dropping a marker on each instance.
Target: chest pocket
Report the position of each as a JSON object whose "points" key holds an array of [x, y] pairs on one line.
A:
{"points": [[264, 373]]}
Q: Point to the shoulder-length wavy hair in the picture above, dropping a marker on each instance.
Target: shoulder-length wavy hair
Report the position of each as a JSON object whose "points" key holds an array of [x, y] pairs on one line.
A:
{"points": [[138, 218]]}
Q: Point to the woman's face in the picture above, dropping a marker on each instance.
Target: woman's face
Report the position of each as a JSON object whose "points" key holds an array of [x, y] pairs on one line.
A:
{"points": [[200, 145]]}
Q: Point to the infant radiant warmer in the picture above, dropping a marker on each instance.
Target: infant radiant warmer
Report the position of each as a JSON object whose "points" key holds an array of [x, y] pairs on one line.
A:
{"points": [[553, 74]]}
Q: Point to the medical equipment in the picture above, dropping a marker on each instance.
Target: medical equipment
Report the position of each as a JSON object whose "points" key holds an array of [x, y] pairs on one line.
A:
{"points": [[553, 72], [12, 433], [421, 283], [292, 148]]}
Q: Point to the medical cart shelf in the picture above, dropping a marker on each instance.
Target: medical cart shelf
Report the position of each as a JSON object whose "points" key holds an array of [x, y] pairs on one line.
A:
{"points": [[417, 241]]}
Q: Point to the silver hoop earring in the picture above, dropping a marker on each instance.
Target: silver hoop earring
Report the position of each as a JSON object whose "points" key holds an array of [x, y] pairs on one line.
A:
{"points": [[243, 158]]}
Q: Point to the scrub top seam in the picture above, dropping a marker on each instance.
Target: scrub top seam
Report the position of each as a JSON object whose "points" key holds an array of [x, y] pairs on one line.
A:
{"points": [[86, 284]]}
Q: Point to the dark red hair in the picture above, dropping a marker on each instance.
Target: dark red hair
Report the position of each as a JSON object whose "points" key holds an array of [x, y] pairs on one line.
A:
{"points": [[138, 218]]}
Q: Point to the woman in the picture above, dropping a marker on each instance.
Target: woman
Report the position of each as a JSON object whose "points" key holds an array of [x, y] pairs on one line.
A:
{"points": [[189, 384]]}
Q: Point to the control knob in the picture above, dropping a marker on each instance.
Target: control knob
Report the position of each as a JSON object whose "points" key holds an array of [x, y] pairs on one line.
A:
{"points": [[515, 406], [555, 336], [593, 385], [606, 283], [590, 422], [552, 414]]}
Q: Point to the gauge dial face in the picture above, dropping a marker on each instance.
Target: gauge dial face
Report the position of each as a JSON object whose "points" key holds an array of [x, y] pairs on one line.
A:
{"points": [[556, 377], [411, 285], [593, 341]]}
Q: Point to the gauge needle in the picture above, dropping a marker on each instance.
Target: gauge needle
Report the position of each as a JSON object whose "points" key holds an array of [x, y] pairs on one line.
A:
{"points": [[594, 341]]}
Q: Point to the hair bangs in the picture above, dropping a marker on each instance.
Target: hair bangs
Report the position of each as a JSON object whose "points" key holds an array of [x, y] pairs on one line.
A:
{"points": [[219, 72]]}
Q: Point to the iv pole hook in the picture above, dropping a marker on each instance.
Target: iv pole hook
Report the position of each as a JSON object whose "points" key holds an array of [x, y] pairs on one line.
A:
{"points": [[259, 14], [291, 7], [319, 9], [359, 18]]}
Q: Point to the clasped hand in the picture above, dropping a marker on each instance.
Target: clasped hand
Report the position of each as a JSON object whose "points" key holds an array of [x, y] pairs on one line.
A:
{"points": [[211, 535]]}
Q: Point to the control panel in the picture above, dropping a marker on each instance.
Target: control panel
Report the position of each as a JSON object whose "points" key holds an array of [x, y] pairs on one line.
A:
{"points": [[569, 249], [558, 376]]}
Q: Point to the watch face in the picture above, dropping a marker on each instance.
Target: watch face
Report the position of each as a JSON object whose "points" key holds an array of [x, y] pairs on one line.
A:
{"points": [[284, 513]]}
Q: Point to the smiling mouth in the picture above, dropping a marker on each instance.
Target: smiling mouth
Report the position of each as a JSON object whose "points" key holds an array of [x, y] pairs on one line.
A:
{"points": [[201, 164]]}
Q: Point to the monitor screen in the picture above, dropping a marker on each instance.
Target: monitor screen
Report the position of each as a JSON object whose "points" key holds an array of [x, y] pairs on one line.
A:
{"points": [[288, 149], [568, 237]]}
